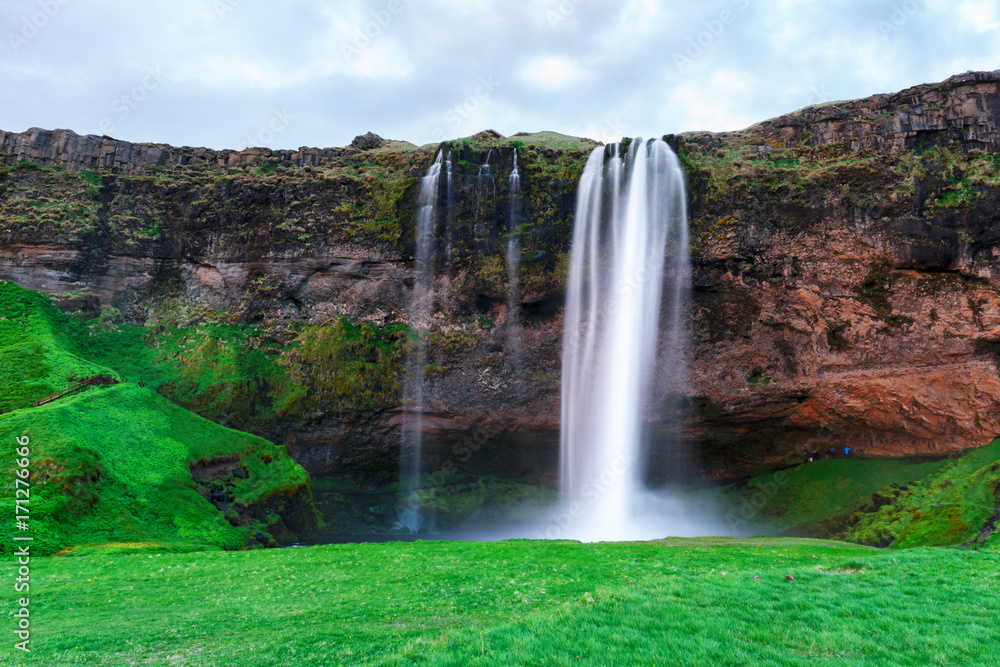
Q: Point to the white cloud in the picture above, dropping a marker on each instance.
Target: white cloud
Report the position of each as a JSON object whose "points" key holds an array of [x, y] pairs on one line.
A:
{"points": [[719, 104], [551, 73], [980, 15]]}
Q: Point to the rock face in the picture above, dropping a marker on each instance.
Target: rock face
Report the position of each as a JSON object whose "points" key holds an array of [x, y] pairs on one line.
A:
{"points": [[70, 150], [846, 289], [847, 277], [962, 110]]}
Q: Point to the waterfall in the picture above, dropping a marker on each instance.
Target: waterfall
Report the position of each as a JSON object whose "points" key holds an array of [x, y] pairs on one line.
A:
{"points": [[486, 169], [513, 259], [449, 220], [420, 312], [630, 240], [484, 178]]}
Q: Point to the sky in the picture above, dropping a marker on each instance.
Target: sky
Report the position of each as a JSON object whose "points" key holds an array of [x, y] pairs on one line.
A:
{"points": [[238, 73]]}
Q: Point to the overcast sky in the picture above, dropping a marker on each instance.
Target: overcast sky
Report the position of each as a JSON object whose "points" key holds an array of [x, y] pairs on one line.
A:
{"points": [[231, 73]]}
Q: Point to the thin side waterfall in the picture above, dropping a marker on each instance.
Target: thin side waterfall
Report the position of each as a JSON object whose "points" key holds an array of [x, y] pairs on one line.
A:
{"points": [[629, 254], [420, 311], [513, 260], [449, 220], [483, 180], [486, 169]]}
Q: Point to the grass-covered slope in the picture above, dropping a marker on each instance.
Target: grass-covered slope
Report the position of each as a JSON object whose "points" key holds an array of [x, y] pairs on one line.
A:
{"points": [[35, 360], [677, 602], [113, 464], [958, 504], [242, 375], [818, 490], [880, 502]]}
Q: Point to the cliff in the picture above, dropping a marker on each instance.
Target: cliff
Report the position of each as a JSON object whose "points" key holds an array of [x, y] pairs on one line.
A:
{"points": [[846, 287], [847, 275], [69, 150]]}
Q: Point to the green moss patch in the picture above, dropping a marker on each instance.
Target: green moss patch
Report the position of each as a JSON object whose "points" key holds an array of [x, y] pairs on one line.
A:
{"points": [[945, 508], [814, 491], [243, 375]]}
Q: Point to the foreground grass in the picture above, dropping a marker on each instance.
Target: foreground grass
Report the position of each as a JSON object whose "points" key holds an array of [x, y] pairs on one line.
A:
{"points": [[692, 602]]}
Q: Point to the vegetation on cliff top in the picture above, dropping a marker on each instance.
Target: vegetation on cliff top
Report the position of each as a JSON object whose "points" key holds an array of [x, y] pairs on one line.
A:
{"points": [[366, 198], [113, 464], [739, 179]]}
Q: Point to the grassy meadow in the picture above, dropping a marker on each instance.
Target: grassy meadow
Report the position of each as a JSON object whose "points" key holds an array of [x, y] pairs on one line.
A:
{"points": [[521, 602]]}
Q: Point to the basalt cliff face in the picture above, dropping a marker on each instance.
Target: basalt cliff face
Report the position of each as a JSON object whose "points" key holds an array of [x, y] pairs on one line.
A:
{"points": [[846, 289]]}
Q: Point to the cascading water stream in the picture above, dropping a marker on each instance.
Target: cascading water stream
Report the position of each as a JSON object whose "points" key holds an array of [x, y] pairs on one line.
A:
{"points": [[483, 179], [630, 238], [449, 220], [420, 311], [513, 257], [486, 169]]}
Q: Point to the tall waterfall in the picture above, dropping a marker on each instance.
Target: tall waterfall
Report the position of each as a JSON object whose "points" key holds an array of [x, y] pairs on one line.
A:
{"points": [[630, 241], [513, 257], [420, 311]]}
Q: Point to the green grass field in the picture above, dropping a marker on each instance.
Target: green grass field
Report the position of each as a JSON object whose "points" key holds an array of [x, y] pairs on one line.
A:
{"points": [[675, 602], [113, 465]]}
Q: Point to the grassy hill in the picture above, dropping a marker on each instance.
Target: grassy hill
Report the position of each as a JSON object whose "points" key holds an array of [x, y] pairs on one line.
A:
{"points": [[879, 502], [113, 465]]}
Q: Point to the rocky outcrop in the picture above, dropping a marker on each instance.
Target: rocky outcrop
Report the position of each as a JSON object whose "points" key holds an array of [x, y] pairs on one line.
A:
{"points": [[846, 288], [70, 150], [963, 110]]}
